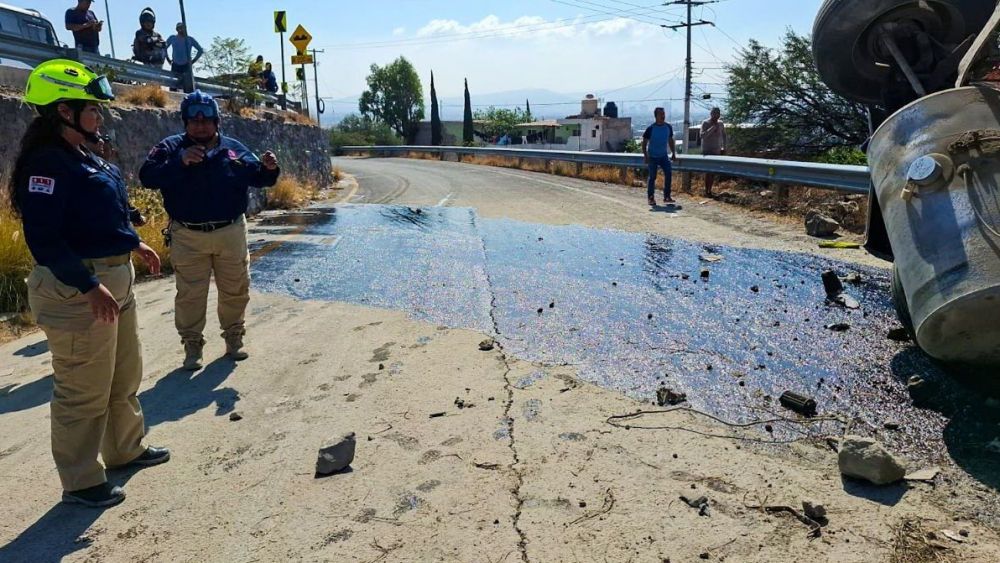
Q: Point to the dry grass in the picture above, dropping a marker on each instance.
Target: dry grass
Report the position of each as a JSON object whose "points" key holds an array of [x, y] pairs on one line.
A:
{"points": [[150, 95], [15, 264], [338, 174], [291, 193], [150, 203], [293, 117]]}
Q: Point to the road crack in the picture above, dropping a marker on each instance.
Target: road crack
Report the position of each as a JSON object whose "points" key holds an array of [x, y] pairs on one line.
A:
{"points": [[515, 466]]}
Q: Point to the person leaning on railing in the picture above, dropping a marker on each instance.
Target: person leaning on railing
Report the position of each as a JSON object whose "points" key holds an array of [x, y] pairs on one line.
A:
{"points": [[73, 207]]}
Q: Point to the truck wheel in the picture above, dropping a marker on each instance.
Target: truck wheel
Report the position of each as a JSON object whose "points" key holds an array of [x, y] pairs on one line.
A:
{"points": [[899, 302], [848, 53]]}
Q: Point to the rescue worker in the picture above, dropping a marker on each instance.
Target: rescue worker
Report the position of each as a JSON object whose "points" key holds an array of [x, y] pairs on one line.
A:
{"points": [[204, 177], [149, 47], [73, 207]]}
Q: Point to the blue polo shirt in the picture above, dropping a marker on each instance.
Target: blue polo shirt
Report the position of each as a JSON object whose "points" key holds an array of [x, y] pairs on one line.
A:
{"points": [[659, 139], [74, 207], [213, 190]]}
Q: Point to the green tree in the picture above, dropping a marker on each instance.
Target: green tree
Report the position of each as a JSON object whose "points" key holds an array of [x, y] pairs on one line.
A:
{"points": [[527, 110], [394, 97], [358, 130], [500, 121], [435, 116], [792, 112], [468, 128], [227, 61]]}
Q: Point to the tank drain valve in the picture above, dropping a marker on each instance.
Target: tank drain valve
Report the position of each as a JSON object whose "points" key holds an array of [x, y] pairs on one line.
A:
{"points": [[927, 172]]}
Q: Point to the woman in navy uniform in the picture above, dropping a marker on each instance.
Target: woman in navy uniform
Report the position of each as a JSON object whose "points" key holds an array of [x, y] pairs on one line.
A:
{"points": [[74, 209]]}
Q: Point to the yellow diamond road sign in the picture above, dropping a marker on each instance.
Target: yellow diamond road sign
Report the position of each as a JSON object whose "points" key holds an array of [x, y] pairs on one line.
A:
{"points": [[300, 38], [302, 59]]}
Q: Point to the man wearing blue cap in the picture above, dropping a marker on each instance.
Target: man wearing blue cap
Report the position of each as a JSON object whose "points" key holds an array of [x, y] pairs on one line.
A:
{"points": [[204, 177]]}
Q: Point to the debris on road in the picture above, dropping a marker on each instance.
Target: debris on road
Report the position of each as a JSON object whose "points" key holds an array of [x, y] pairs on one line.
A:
{"points": [[838, 327], [667, 396], [840, 245], [336, 454], [866, 458], [899, 334], [815, 528], [853, 278], [925, 475], [235, 416], [701, 503], [710, 257], [462, 404], [705, 273], [806, 406], [437, 414], [755, 289], [487, 345], [955, 537], [814, 510], [835, 291], [819, 225]]}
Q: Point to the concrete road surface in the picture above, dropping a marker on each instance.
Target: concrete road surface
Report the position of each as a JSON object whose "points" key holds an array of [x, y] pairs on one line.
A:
{"points": [[368, 316]]}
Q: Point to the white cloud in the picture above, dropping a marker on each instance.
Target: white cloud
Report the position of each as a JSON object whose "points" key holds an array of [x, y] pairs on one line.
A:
{"points": [[398, 31], [535, 27]]}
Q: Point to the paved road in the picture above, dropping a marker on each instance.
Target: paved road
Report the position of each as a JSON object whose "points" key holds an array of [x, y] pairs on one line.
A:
{"points": [[543, 198]]}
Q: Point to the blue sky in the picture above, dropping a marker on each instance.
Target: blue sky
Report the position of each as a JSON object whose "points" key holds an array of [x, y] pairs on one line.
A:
{"points": [[559, 45]]}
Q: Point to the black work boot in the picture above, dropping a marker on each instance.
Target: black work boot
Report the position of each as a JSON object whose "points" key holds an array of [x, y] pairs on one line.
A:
{"points": [[99, 496], [152, 456]]}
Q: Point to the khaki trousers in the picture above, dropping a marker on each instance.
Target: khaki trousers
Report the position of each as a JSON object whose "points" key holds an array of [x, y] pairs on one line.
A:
{"points": [[195, 256], [98, 368]]}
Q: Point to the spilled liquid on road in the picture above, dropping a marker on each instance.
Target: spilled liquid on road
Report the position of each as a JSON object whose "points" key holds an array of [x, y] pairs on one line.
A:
{"points": [[633, 312]]}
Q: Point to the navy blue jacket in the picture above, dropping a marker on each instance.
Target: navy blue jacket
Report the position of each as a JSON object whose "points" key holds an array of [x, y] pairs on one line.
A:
{"points": [[213, 190], [74, 207]]}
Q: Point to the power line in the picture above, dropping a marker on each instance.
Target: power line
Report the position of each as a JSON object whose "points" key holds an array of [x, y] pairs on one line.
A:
{"points": [[621, 14]]}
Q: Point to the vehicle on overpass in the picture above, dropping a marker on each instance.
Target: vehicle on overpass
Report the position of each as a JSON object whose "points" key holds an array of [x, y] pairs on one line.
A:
{"points": [[26, 24], [927, 71]]}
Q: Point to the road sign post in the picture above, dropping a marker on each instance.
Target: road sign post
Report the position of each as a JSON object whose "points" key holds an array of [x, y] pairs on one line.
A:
{"points": [[300, 39], [280, 27]]}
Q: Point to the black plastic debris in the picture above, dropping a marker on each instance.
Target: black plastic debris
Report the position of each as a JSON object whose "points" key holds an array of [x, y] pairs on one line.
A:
{"points": [[667, 396], [806, 406]]}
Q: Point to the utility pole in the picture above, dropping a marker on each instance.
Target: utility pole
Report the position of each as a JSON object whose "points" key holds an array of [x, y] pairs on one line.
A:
{"points": [[319, 102], [189, 84], [687, 75], [111, 33]]}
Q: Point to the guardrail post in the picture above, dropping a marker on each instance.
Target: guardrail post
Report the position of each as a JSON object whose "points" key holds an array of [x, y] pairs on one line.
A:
{"points": [[783, 195]]}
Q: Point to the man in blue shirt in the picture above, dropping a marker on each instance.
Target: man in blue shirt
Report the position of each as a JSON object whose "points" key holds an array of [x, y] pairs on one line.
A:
{"points": [[204, 177], [655, 141], [180, 46], [85, 26]]}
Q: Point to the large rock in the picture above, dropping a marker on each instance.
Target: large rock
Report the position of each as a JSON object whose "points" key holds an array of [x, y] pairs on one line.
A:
{"points": [[819, 225], [865, 458], [336, 454]]}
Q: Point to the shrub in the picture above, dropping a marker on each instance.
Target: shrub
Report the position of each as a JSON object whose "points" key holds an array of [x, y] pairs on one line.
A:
{"points": [[290, 193], [15, 264], [150, 95]]}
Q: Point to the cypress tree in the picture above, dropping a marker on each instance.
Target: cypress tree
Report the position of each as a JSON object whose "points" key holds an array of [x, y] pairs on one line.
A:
{"points": [[467, 125], [435, 116], [527, 110]]}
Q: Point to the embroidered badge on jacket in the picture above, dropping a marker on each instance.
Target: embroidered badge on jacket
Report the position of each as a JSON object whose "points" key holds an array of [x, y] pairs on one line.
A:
{"points": [[41, 185]]}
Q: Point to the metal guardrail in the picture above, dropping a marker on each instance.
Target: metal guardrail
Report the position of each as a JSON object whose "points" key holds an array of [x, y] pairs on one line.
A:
{"points": [[851, 179], [34, 53]]}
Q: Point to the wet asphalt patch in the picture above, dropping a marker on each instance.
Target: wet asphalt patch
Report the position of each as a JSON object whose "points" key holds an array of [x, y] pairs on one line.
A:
{"points": [[733, 328]]}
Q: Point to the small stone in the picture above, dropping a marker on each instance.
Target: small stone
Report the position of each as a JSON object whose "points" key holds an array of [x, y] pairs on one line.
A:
{"points": [[705, 555], [235, 416], [614, 284], [964, 533], [755, 289], [336, 454], [649, 316], [685, 277], [865, 458], [487, 345], [297, 280], [667, 396], [814, 510], [583, 504], [769, 428], [853, 279], [706, 273], [838, 327], [890, 425], [675, 456], [381, 367], [819, 225], [540, 310], [552, 305]]}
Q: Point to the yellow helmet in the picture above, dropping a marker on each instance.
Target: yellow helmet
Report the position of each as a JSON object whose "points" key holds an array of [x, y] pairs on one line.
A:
{"points": [[61, 80]]}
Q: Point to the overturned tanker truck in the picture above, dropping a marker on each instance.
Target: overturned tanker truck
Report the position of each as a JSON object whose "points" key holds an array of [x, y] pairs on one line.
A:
{"points": [[929, 72]]}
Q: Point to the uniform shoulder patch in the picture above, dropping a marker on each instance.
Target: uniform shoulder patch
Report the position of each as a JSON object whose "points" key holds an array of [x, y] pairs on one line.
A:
{"points": [[41, 185]]}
